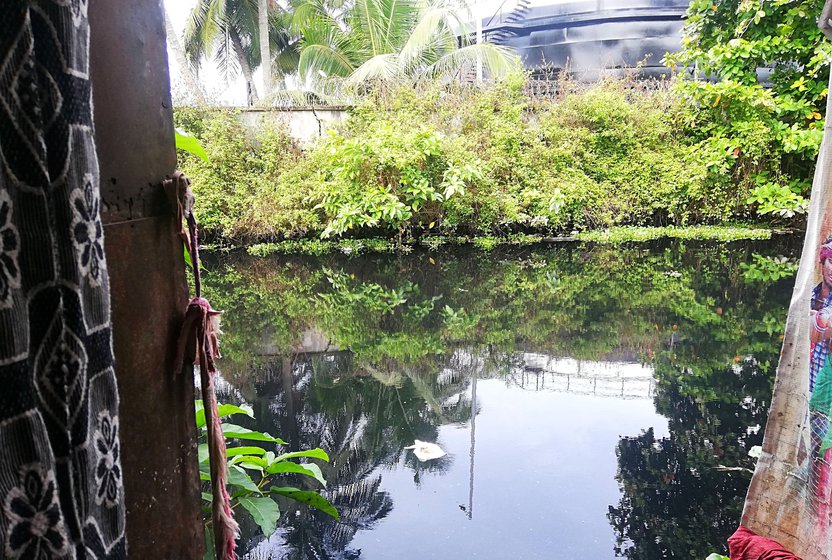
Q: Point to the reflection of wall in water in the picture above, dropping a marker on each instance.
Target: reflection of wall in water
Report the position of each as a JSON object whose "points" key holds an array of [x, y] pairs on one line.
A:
{"points": [[590, 36]]}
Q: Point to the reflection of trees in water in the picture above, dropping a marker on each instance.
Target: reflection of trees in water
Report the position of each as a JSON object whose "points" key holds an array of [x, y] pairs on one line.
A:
{"points": [[676, 502], [363, 415], [417, 327]]}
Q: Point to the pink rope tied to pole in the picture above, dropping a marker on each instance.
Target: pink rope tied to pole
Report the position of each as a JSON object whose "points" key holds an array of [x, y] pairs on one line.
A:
{"points": [[199, 334]]}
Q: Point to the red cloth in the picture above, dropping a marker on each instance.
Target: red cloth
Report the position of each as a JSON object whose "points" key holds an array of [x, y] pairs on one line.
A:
{"points": [[745, 545]]}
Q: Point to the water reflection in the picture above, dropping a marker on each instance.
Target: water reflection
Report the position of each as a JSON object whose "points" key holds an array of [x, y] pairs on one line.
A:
{"points": [[576, 389]]}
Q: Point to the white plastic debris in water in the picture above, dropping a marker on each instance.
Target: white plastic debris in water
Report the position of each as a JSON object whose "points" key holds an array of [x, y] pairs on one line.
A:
{"points": [[425, 451]]}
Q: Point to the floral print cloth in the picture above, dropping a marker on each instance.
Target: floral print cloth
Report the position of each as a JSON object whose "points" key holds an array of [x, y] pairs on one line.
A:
{"points": [[61, 490]]}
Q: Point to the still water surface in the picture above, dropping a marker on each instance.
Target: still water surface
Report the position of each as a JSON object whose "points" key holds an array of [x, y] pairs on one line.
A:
{"points": [[586, 396]]}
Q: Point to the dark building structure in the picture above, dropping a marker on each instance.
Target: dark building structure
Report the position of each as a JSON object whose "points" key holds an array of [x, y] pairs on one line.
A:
{"points": [[591, 37]]}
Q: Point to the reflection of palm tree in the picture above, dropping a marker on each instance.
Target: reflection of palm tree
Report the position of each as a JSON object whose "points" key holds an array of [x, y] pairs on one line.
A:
{"points": [[338, 404], [286, 399]]}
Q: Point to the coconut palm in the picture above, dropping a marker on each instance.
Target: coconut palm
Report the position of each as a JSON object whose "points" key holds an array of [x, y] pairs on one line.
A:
{"points": [[189, 79], [379, 40], [263, 8], [230, 31]]}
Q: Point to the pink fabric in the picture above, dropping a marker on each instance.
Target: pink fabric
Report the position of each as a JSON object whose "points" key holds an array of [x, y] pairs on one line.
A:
{"points": [[824, 488], [825, 252], [745, 545]]}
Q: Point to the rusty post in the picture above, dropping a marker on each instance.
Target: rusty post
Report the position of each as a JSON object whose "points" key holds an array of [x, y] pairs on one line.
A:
{"points": [[134, 136]]}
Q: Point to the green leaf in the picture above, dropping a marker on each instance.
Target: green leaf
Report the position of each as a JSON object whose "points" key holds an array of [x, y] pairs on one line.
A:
{"points": [[250, 462], [208, 496], [716, 556], [265, 512], [308, 469], [312, 499], [223, 410], [238, 432], [190, 144], [210, 553], [238, 477], [316, 453], [319, 475], [234, 451], [202, 452]]}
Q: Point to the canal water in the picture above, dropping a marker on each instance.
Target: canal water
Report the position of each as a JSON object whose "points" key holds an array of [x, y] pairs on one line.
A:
{"points": [[592, 401]]}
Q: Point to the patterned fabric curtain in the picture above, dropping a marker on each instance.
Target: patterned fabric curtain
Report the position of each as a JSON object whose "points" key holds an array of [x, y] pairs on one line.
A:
{"points": [[60, 473]]}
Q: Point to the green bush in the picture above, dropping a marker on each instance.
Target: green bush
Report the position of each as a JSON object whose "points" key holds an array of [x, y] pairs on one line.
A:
{"points": [[438, 159], [245, 188], [761, 142]]}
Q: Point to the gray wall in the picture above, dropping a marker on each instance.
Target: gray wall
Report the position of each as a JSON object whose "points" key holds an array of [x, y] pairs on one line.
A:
{"points": [[305, 124]]}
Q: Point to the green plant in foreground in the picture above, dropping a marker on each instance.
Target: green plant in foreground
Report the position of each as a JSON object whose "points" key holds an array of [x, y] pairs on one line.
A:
{"points": [[252, 471], [716, 556]]}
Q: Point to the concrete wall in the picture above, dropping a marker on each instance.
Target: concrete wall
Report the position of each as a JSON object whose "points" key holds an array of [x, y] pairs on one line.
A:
{"points": [[305, 124]]}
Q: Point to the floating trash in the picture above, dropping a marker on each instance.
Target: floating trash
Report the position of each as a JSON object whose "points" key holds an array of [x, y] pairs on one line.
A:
{"points": [[425, 451]]}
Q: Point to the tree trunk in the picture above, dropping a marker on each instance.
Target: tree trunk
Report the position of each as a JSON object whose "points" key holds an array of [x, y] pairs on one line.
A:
{"points": [[190, 81], [265, 55], [251, 93]]}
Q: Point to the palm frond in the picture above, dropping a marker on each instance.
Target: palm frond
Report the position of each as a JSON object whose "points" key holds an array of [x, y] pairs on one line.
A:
{"points": [[381, 67], [322, 58], [200, 32], [285, 61], [400, 16], [496, 60], [225, 55], [433, 26], [372, 24], [306, 12], [243, 19]]}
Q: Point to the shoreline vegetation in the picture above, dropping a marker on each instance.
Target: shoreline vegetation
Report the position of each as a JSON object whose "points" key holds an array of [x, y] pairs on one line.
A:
{"points": [[436, 163], [612, 236]]}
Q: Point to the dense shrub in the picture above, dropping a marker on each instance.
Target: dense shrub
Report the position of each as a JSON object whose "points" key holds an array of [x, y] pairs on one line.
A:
{"points": [[246, 189], [438, 159], [763, 138]]}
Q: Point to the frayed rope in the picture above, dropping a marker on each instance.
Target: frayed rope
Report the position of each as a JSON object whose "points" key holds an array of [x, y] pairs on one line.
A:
{"points": [[199, 335]]}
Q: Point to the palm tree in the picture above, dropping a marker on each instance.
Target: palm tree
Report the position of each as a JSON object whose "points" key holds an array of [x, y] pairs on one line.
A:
{"points": [[230, 30], [378, 40], [265, 57], [188, 77]]}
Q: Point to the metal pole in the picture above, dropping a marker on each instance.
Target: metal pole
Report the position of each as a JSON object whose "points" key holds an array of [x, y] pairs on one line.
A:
{"points": [[479, 42]]}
